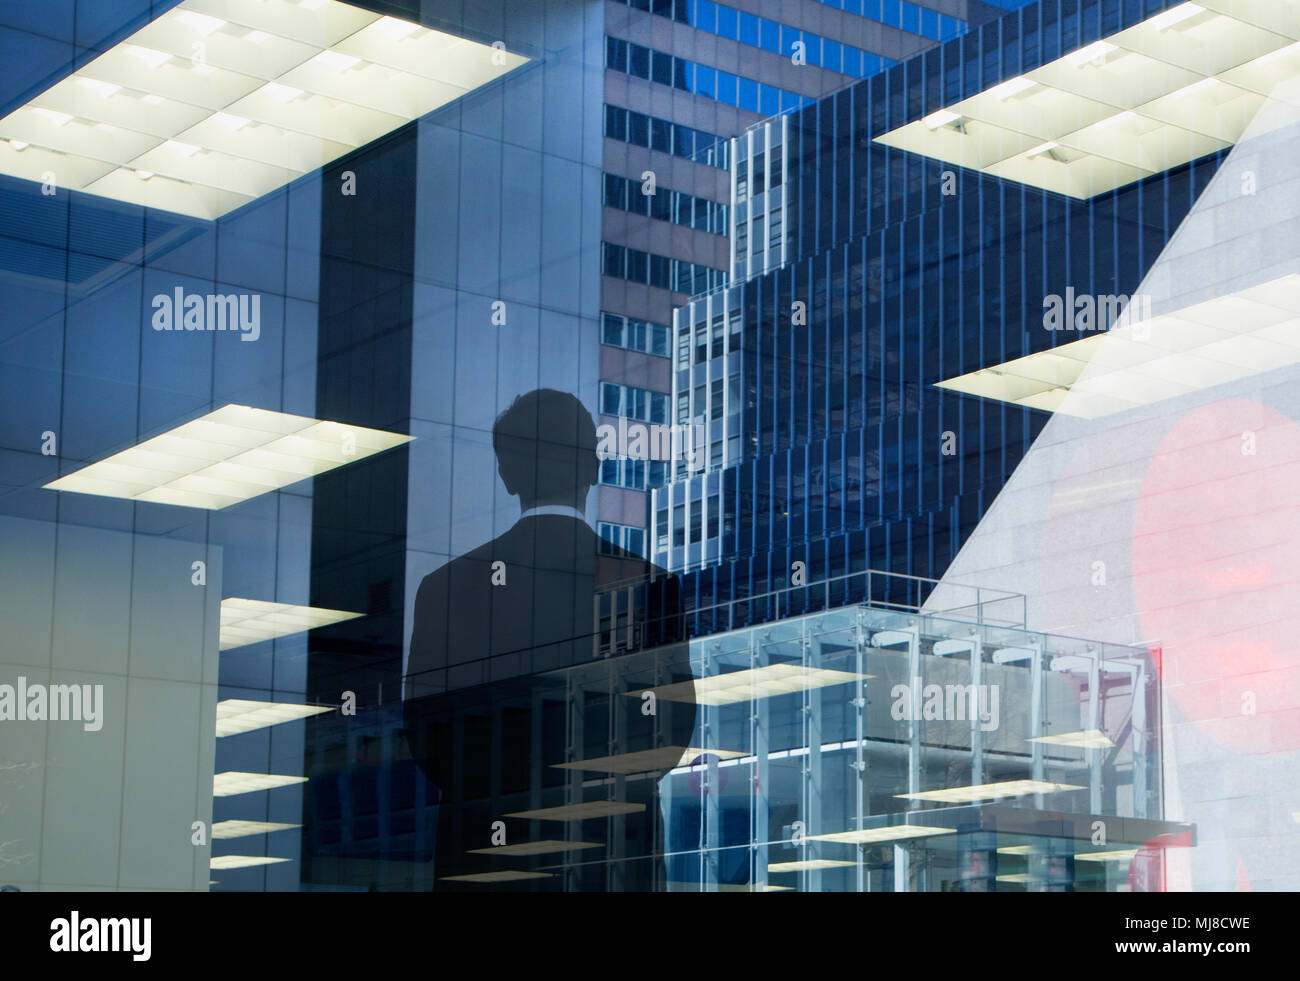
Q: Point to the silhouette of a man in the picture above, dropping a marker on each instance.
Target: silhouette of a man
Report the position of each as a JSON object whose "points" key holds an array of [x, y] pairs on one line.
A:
{"points": [[525, 688]]}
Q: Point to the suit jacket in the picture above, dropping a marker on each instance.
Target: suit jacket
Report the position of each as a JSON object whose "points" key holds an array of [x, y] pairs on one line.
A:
{"points": [[529, 661]]}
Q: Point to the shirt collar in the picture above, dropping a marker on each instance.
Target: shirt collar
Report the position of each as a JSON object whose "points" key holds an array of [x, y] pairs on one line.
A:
{"points": [[567, 510]]}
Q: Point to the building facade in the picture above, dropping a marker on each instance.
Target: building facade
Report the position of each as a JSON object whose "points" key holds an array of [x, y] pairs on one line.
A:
{"points": [[271, 271], [1012, 286], [408, 210], [682, 79], [867, 277]]}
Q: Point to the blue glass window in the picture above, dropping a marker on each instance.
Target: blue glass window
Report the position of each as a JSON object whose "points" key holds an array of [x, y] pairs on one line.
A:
{"points": [[727, 88], [748, 94], [638, 61], [683, 75], [705, 82], [661, 135], [638, 129], [661, 70], [727, 22], [830, 55], [706, 15]]}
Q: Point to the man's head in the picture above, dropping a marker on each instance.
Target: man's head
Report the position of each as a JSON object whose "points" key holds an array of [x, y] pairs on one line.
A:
{"points": [[546, 449]]}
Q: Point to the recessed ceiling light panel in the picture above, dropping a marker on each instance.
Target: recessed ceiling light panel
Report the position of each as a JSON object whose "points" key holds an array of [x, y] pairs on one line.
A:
{"points": [[222, 830], [236, 715], [992, 791], [1178, 86], [226, 457], [233, 782], [314, 81], [755, 683], [243, 861], [249, 621]]}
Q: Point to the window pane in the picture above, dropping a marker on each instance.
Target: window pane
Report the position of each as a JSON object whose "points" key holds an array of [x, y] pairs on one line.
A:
{"points": [[613, 329], [727, 22], [638, 129], [748, 94], [661, 136], [706, 81], [639, 61], [727, 88], [706, 15], [662, 71]]}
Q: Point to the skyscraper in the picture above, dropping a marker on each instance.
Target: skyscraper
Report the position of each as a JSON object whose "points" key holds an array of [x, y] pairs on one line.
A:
{"points": [[682, 78], [885, 274]]}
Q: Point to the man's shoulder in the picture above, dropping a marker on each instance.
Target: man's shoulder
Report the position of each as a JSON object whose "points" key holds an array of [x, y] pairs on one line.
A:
{"points": [[472, 561]]}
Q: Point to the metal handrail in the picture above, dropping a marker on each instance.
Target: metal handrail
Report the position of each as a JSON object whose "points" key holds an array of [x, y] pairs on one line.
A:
{"points": [[982, 597]]}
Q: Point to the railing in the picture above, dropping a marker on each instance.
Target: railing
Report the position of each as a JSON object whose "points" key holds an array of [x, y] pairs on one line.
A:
{"points": [[890, 590]]}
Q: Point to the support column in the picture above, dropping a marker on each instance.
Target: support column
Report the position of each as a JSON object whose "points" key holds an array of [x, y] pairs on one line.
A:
{"points": [[760, 742], [1094, 723], [813, 776]]}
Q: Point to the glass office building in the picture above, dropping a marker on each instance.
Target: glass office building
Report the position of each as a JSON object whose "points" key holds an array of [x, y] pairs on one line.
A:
{"points": [[867, 277], [682, 78], [892, 349], [273, 271]]}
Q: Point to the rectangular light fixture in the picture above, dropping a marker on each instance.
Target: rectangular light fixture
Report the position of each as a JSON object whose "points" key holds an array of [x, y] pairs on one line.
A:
{"points": [[233, 782], [1014, 850], [315, 81], [897, 832], [579, 812], [941, 118], [1085, 739], [754, 683], [1142, 361], [236, 715], [244, 829], [242, 861], [808, 865], [1114, 855], [1092, 52], [546, 847], [249, 621], [1181, 84], [1014, 877], [502, 876], [1012, 86], [663, 758], [1204, 85], [1166, 20], [991, 791], [228, 456]]}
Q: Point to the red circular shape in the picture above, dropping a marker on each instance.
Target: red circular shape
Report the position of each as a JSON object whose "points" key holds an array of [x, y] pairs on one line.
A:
{"points": [[1216, 565]]}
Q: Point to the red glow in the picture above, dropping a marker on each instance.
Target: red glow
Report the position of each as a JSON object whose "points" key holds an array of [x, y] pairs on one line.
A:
{"points": [[1216, 565]]}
